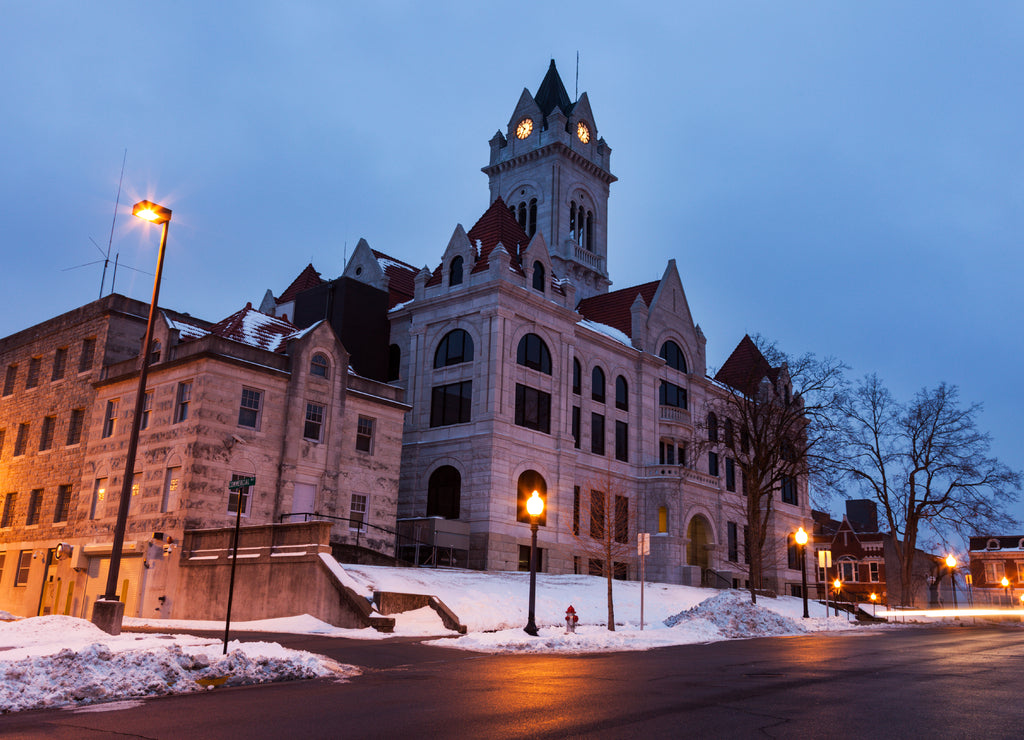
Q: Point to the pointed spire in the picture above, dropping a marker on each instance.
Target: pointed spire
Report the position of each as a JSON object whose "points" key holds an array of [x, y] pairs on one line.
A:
{"points": [[551, 94]]}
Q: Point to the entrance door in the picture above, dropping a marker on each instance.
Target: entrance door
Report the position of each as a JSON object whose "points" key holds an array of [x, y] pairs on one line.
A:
{"points": [[699, 534], [128, 577]]}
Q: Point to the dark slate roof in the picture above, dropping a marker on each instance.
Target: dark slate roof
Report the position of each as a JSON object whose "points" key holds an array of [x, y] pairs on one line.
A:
{"points": [[613, 309], [308, 278], [746, 368], [401, 278], [256, 329], [551, 94]]}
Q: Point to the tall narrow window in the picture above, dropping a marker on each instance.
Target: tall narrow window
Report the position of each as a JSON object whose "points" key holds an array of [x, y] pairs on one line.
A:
{"points": [[455, 271], [357, 513], [730, 474], [577, 377], [10, 379], [622, 441], [184, 401], [75, 426], [597, 523], [110, 418], [35, 503], [581, 221], [597, 385], [85, 359], [621, 520], [662, 519], [576, 510], [538, 276], [8, 516], [788, 485], [46, 434], [63, 507], [712, 427], [531, 222], [99, 497], [172, 489], [576, 424], [313, 428], [572, 220], [24, 568], [364, 434], [444, 492], [33, 372], [597, 434], [713, 464], [60, 361], [671, 394], [394, 362], [21, 440], [240, 498], [733, 542], [250, 407], [454, 348], [727, 431], [147, 409], [621, 394], [522, 216], [589, 236]]}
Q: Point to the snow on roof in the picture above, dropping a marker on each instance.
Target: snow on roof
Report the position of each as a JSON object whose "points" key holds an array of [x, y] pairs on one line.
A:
{"points": [[185, 329], [254, 328], [608, 331]]}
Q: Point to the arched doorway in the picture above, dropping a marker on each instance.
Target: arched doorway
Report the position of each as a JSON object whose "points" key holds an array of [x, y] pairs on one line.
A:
{"points": [[444, 492], [699, 535]]}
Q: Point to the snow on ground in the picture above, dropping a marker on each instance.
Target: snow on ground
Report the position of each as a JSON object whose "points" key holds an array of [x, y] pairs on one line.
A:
{"points": [[55, 660]]}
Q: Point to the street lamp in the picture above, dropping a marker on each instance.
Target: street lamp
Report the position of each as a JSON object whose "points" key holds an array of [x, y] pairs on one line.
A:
{"points": [[1006, 589], [837, 585], [874, 603], [951, 564], [801, 539], [534, 507], [108, 611]]}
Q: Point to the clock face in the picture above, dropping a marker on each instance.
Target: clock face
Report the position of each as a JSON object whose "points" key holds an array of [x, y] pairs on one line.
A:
{"points": [[583, 132], [524, 128]]}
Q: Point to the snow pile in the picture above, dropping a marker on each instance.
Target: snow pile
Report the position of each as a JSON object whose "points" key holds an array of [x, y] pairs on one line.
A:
{"points": [[56, 660], [735, 617], [6, 615]]}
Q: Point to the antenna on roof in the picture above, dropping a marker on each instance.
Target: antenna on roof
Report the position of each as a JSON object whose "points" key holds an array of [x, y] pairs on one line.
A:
{"points": [[577, 74], [117, 201]]}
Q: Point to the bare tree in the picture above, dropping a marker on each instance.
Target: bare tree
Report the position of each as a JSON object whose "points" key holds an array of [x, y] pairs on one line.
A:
{"points": [[603, 534], [926, 464], [771, 416]]}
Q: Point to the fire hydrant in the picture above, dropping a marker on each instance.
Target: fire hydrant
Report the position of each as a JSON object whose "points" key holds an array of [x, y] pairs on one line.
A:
{"points": [[570, 620]]}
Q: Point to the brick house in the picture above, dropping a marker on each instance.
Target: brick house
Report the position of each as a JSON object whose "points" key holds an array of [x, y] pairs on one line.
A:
{"points": [[992, 559]]}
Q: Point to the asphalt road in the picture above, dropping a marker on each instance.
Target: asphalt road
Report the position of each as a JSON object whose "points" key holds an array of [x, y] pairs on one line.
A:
{"points": [[945, 682]]}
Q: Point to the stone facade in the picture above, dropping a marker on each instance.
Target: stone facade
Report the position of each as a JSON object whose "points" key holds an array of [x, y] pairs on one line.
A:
{"points": [[252, 396]]}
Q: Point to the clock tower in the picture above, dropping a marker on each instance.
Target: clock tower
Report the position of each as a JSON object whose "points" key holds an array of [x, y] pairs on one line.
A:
{"points": [[552, 170]]}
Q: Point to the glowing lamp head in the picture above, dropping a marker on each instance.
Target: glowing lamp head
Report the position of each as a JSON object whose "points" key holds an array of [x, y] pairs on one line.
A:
{"points": [[837, 583], [874, 597], [950, 561], [801, 536], [1005, 582], [535, 505], [151, 212]]}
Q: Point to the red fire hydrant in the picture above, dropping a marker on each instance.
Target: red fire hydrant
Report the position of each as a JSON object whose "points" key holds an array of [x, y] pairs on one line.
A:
{"points": [[570, 620]]}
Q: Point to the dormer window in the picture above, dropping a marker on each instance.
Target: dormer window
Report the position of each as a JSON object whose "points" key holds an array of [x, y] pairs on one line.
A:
{"points": [[455, 271], [538, 276], [319, 365], [992, 544]]}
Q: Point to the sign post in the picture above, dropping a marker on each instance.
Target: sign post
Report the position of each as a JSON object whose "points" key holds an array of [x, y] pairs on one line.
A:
{"points": [[238, 484], [643, 548], [824, 563]]}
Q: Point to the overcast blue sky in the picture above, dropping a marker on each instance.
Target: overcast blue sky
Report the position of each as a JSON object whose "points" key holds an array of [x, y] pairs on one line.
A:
{"points": [[843, 177]]}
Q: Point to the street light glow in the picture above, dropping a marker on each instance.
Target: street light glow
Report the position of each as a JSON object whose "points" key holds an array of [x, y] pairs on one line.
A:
{"points": [[535, 505], [1005, 582], [151, 212], [837, 584], [801, 536], [950, 561]]}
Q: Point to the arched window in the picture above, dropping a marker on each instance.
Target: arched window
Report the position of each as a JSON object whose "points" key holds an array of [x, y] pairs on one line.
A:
{"points": [[673, 356], [455, 273], [532, 219], [538, 276], [572, 220], [319, 365], [444, 492], [581, 220], [712, 427], [534, 354], [522, 216], [394, 362], [577, 376], [589, 235], [529, 482], [727, 429], [455, 348], [621, 394], [597, 384]]}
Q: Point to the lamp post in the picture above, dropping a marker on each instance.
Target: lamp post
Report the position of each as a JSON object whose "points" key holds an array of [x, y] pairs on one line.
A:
{"points": [[534, 507], [801, 539], [1006, 589], [951, 564], [874, 603], [108, 612], [837, 584]]}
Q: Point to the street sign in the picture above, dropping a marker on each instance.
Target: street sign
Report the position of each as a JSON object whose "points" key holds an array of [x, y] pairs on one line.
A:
{"points": [[643, 545], [239, 483], [824, 558]]}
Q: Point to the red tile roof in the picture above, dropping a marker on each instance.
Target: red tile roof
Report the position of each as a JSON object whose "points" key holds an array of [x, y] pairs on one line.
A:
{"points": [[746, 368], [613, 309], [308, 278], [498, 225], [256, 329], [401, 278]]}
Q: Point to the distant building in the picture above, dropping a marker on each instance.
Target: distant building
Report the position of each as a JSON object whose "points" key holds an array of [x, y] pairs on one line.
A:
{"points": [[994, 558], [250, 396]]}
